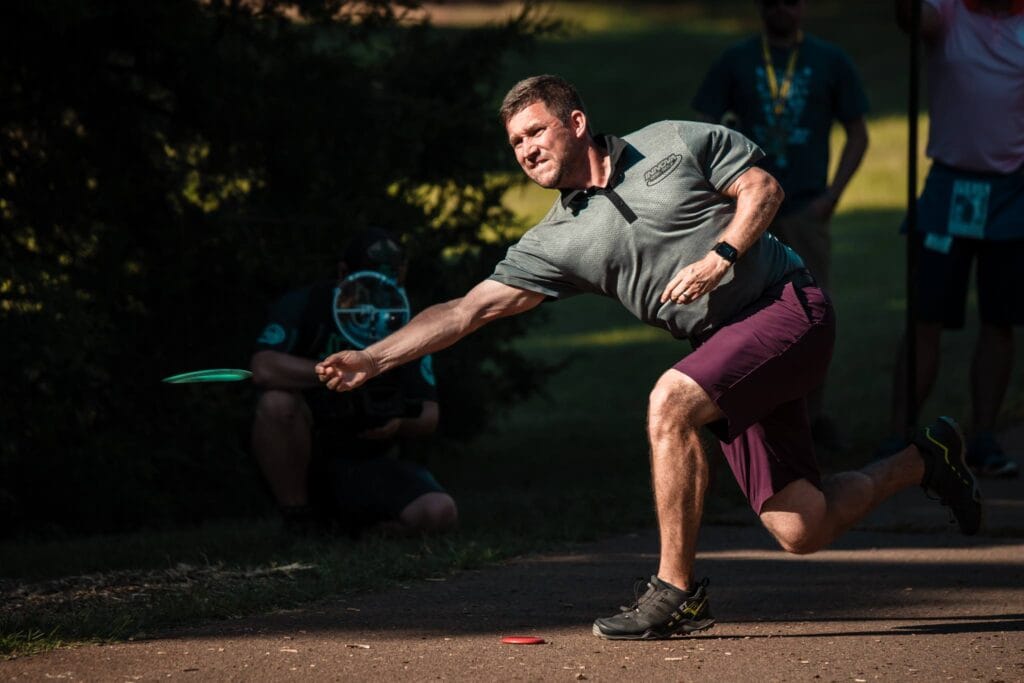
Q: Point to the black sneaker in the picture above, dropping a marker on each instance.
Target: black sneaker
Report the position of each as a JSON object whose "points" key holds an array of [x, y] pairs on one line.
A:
{"points": [[946, 474], [661, 612]]}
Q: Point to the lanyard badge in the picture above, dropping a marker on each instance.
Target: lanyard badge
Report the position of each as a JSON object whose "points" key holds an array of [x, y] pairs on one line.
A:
{"points": [[780, 92]]}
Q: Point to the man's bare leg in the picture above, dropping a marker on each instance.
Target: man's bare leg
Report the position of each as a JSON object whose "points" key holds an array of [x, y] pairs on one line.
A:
{"points": [[281, 444], [673, 602], [805, 519], [679, 470]]}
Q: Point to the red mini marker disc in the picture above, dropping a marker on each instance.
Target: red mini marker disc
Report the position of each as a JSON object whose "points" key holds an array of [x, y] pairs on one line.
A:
{"points": [[522, 640]]}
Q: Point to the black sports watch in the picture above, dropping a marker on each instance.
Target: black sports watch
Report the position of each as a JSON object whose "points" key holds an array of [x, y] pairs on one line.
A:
{"points": [[726, 251]]}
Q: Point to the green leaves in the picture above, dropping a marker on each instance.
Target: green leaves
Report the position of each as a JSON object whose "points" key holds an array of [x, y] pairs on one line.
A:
{"points": [[166, 170]]}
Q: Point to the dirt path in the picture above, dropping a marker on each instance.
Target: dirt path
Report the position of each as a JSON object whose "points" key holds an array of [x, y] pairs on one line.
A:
{"points": [[902, 598], [880, 606]]}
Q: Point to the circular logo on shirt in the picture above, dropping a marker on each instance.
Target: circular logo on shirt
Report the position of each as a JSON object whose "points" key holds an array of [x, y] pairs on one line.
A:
{"points": [[273, 334], [369, 306]]}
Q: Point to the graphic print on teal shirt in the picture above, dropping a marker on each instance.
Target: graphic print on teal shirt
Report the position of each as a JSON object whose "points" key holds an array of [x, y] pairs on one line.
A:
{"points": [[302, 323], [776, 132]]}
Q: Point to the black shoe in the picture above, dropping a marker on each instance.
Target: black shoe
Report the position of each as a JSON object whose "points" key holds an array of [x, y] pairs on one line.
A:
{"points": [[946, 474], [662, 611]]}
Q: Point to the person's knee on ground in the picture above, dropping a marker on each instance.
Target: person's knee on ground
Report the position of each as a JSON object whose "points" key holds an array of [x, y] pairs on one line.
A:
{"points": [[796, 516], [430, 513]]}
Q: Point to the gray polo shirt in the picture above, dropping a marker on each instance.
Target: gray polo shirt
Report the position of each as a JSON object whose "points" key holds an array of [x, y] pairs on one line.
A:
{"points": [[663, 209]]}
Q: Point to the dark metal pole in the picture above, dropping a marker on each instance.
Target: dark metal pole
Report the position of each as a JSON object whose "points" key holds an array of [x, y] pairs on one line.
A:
{"points": [[912, 107]]}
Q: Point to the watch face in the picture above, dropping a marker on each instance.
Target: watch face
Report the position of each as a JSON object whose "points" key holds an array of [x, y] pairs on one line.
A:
{"points": [[726, 251]]}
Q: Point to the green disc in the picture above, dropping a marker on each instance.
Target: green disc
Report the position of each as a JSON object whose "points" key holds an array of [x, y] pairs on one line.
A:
{"points": [[212, 375]]}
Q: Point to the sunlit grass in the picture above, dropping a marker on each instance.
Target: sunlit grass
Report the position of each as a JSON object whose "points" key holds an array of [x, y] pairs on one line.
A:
{"points": [[881, 180], [619, 336], [596, 17]]}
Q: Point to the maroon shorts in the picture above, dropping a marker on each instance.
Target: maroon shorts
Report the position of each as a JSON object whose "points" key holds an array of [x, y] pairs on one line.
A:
{"points": [[758, 369]]}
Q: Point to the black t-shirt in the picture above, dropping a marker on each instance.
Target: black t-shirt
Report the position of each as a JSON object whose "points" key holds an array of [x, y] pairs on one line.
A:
{"points": [[301, 323]]}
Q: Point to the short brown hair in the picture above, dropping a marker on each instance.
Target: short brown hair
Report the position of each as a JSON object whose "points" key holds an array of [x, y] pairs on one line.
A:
{"points": [[555, 92]]}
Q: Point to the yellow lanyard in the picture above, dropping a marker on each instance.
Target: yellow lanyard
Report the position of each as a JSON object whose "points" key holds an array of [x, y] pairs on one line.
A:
{"points": [[780, 94]]}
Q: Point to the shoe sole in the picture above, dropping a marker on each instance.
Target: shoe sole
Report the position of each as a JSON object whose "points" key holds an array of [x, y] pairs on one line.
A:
{"points": [[655, 635], [962, 457]]}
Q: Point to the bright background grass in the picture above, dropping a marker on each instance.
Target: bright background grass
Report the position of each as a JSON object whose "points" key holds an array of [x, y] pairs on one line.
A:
{"points": [[572, 464]]}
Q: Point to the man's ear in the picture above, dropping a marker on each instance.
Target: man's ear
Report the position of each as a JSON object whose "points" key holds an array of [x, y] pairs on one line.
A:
{"points": [[578, 123], [342, 270]]}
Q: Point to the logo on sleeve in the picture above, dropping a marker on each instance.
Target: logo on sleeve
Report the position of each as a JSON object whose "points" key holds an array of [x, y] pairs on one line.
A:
{"points": [[273, 334], [656, 174]]}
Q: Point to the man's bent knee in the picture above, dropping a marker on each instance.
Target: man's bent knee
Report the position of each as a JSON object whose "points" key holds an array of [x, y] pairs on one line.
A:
{"points": [[803, 542], [677, 401], [280, 406], [431, 513], [795, 516]]}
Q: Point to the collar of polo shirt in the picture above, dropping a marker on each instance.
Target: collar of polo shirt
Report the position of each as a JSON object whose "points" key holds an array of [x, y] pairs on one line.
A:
{"points": [[614, 146]]}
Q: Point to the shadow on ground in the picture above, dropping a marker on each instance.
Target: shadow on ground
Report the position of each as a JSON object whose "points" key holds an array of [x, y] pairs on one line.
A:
{"points": [[926, 584]]}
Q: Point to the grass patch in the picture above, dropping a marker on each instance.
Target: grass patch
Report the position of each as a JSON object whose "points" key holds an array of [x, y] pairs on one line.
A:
{"points": [[168, 580]]}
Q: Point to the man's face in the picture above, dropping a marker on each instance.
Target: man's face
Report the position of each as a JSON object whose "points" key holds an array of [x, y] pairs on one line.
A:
{"points": [[781, 16], [546, 148]]}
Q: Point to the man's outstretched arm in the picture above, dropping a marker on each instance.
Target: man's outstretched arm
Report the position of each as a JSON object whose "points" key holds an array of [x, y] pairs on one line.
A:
{"points": [[435, 328]]}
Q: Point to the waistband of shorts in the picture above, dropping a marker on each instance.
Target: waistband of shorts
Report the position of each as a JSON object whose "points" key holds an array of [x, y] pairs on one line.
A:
{"points": [[800, 278]]}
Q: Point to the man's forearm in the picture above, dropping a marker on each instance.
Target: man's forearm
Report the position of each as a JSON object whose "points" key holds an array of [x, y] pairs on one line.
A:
{"points": [[433, 329], [441, 325], [436, 328], [849, 159]]}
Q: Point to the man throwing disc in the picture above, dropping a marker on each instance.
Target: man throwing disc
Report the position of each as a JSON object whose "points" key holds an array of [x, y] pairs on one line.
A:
{"points": [[670, 220]]}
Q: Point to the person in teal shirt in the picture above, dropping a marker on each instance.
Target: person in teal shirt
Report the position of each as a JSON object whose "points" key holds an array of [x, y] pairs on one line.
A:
{"points": [[330, 460]]}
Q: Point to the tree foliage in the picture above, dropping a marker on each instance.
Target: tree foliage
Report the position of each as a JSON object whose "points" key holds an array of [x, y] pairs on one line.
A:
{"points": [[166, 168]]}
